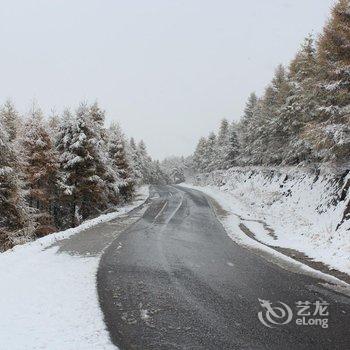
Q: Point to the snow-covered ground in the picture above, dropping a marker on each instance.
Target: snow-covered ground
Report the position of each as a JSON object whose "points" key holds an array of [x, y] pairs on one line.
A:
{"points": [[49, 300], [289, 208]]}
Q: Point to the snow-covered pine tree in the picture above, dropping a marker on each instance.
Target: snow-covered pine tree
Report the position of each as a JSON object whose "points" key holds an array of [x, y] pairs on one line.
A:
{"points": [[246, 130], [10, 120], [150, 170], [222, 145], [280, 91], [224, 156], [250, 108], [303, 68], [15, 226], [299, 112], [334, 60], [129, 153], [145, 162], [63, 200], [160, 177], [199, 161], [82, 165], [134, 160], [266, 138], [211, 153], [97, 115], [53, 124], [119, 160], [258, 136], [40, 170], [108, 172], [233, 146]]}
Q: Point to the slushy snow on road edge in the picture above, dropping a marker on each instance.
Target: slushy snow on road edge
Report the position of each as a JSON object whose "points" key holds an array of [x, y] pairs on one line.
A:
{"points": [[49, 300]]}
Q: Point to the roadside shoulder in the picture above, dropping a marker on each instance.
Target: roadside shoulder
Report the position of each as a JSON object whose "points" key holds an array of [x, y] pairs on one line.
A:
{"points": [[245, 232]]}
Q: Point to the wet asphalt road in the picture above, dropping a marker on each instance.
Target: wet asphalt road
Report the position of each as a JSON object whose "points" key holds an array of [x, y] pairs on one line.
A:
{"points": [[175, 280]]}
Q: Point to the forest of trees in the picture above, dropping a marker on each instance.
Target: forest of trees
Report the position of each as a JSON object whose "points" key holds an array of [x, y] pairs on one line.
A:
{"points": [[56, 172], [303, 116], [175, 168]]}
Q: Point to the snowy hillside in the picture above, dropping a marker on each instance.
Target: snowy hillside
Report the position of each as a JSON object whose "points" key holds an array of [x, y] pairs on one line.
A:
{"points": [[289, 207]]}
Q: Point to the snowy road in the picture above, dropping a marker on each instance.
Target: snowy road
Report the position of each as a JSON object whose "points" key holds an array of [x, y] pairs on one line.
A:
{"points": [[175, 280]]}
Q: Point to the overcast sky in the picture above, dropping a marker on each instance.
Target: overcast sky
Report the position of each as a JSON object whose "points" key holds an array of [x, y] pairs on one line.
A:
{"points": [[167, 70]]}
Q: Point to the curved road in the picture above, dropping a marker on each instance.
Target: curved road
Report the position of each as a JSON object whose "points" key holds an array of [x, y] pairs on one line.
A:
{"points": [[175, 280]]}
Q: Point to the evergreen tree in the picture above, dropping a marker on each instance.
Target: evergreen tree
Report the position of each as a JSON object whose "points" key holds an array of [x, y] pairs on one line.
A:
{"points": [[234, 146], [15, 225], [136, 161], [250, 107], [119, 159], [97, 116], [10, 120], [263, 130], [145, 162], [224, 158], [63, 204], [53, 124], [159, 176], [82, 165], [40, 170], [106, 167], [211, 152], [199, 161], [149, 170], [133, 160], [334, 59], [300, 109], [260, 132], [246, 131], [280, 91], [303, 68]]}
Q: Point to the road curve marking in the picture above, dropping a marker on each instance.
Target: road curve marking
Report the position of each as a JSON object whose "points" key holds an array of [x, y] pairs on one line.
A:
{"points": [[160, 211]]}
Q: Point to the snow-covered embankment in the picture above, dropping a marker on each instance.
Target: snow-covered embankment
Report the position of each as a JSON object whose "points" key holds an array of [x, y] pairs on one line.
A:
{"points": [[292, 208]]}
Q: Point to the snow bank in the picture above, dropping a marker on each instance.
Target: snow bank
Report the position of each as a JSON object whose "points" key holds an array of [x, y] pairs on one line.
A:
{"points": [[49, 300], [290, 208]]}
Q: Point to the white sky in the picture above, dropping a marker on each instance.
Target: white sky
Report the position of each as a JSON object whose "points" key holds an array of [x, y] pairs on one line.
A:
{"points": [[167, 70]]}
